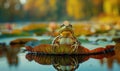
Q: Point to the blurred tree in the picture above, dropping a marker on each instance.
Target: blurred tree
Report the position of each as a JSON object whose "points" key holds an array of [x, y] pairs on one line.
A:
{"points": [[56, 10], [97, 7], [61, 7], [41, 9], [74, 8], [111, 7], [10, 10], [52, 10], [87, 9]]}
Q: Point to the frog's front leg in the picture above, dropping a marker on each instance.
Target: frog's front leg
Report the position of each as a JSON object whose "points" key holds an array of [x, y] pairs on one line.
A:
{"points": [[55, 43], [75, 44]]}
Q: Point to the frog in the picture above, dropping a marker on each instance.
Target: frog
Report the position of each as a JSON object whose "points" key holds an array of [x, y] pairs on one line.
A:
{"points": [[66, 36]]}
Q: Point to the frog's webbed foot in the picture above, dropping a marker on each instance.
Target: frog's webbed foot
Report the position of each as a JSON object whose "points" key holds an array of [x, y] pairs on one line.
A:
{"points": [[55, 42], [75, 46], [55, 46]]}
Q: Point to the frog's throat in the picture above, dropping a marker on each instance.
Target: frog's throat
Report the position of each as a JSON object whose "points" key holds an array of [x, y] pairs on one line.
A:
{"points": [[66, 35]]}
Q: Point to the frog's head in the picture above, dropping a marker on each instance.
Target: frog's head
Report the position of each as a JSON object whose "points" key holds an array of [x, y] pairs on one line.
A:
{"points": [[66, 29]]}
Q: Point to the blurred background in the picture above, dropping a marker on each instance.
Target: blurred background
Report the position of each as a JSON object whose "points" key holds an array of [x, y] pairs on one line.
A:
{"points": [[96, 23], [57, 10], [28, 17]]}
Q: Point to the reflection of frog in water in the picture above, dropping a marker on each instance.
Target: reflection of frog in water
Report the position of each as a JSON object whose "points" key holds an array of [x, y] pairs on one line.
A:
{"points": [[66, 36], [67, 62]]}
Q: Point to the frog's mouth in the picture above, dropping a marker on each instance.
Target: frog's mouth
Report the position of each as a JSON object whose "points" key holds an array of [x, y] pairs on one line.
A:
{"points": [[65, 28], [66, 32]]}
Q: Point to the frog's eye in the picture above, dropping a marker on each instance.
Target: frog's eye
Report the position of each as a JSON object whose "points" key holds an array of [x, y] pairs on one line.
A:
{"points": [[62, 25]]}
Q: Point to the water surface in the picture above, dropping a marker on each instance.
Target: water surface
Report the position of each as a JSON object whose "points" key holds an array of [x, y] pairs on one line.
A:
{"points": [[16, 59]]}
